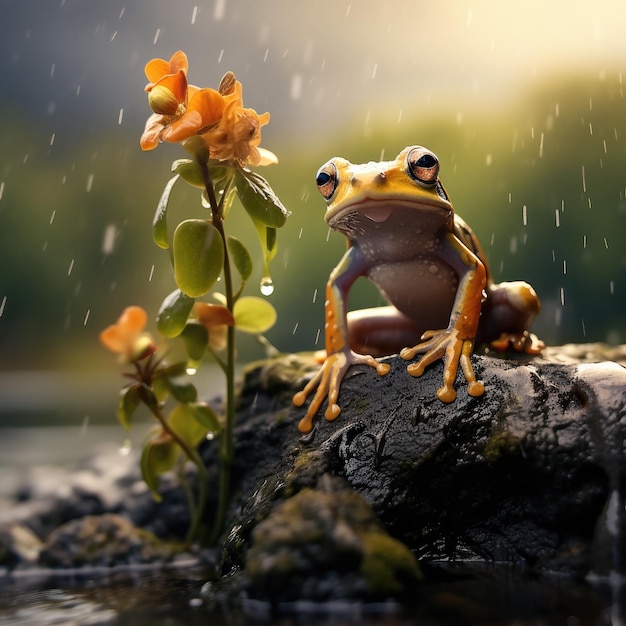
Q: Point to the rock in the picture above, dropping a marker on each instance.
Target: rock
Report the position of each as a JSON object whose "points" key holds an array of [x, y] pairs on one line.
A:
{"points": [[530, 473], [19, 545], [326, 544], [101, 540]]}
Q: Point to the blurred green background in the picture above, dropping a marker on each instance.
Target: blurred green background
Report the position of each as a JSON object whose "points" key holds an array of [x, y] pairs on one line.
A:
{"points": [[523, 105]]}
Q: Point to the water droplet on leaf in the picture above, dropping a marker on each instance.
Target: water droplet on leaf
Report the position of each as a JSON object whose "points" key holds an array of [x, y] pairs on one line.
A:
{"points": [[267, 286], [125, 448]]}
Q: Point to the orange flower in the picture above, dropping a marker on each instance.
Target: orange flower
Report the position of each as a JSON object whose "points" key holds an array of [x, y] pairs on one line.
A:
{"points": [[179, 110], [216, 318], [237, 135], [126, 336]]}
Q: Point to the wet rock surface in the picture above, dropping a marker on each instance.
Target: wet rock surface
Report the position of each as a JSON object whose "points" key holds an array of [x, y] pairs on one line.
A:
{"points": [[531, 473]]}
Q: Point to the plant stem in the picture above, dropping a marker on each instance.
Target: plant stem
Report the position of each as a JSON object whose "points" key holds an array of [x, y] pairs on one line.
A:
{"points": [[192, 454], [226, 437]]}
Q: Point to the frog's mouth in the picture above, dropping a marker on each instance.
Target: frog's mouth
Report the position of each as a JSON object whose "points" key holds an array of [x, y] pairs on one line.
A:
{"points": [[380, 211]]}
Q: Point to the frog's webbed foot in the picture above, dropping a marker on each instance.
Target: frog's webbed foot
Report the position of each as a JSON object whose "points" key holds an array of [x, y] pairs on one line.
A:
{"points": [[445, 345], [327, 383], [525, 341]]}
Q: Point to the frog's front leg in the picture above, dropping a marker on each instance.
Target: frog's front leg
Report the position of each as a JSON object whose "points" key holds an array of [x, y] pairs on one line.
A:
{"points": [[454, 345], [339, 356]]}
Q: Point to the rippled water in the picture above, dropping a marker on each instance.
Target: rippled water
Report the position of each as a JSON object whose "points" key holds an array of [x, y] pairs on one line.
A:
{"points": [[490, 596]]}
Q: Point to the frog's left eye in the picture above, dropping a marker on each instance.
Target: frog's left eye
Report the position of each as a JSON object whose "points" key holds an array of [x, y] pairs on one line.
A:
{"points": [[423, 166], [326, 180]]}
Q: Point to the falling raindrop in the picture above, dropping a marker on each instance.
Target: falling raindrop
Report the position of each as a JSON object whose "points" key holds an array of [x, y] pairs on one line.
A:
{"points": [[2, 305], [218, 11], [126, 447], [296, 87], [267, 286], [108, 241]]}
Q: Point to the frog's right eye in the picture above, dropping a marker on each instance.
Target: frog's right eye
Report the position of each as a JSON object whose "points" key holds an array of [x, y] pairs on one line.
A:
{"points": [[326, 180]]}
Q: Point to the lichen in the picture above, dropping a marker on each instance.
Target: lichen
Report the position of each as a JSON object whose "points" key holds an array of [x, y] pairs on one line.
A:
{"points": [[501, 442], [388, 566]]}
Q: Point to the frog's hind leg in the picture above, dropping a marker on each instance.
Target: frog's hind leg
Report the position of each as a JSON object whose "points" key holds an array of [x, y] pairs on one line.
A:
{"points": [[506, 318], [381, 331]]}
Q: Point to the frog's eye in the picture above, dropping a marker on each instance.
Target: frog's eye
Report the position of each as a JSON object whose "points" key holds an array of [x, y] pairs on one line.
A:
{"points": [[423, 166], [326, 180]]}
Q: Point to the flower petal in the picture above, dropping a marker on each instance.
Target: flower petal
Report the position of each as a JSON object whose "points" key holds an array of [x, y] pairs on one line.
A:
{"points": [[182, 128], [210, 315], [267, 157], [209, 103], [133, 319], [157, 68], [152, 132], [113, 339], [176, 83]]}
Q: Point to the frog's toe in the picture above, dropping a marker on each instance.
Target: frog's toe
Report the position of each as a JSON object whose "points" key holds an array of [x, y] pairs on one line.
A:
{"points": [[332, 412], [416, 369], [407, 353], [305, 425], [476, 388], [446, 394]]}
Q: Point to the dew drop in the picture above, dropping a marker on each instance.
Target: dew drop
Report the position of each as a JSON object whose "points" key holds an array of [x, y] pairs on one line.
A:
{"points": [[210, 436], [125, 448], [267, 286], [191, 371]]}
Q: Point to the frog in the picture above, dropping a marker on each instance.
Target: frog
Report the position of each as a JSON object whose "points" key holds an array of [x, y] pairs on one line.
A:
{"points": [[404, 236]]}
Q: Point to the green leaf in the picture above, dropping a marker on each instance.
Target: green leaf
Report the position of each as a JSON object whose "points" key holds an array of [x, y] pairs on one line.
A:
{"points": [[189, 171], [158, 456], [267, 237], [159, 223], [171, 371], [161, 388], [198, 256], [259, 199], [173, 314], [254, 315], [148, 397], [195, 336], [241, 257], [206, 416], [130, 398], [183, 391], [183, 422]]}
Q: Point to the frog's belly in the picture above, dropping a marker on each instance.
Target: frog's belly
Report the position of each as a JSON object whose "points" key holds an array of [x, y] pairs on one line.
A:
{"points": [[423, 289]]}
